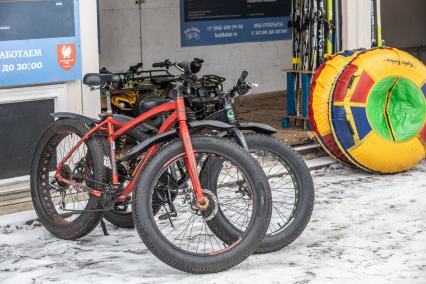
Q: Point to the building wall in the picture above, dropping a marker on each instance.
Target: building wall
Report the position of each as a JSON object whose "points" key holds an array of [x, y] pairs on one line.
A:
{"points": [[90, 100], [404, 25], [356, 23], [68, 96], [74, 95], [404, 22], [120, 45]]}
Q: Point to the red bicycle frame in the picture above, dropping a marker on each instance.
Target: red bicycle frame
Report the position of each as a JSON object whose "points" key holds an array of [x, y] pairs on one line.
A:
{"points": [[115, 129]]}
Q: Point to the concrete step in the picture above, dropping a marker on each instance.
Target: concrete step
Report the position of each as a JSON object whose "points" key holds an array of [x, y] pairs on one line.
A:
{"points": [[16, 193], [17, 197], [15, 205], [307, 148], [319, 163]]}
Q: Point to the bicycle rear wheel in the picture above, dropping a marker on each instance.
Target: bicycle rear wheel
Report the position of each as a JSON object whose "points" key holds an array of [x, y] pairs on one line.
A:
{"points": [[61, 207], [179, 234], [291, 187]]}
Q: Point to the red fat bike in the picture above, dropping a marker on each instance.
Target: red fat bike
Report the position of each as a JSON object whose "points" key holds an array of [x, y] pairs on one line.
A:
{"points": [[74, 180]]}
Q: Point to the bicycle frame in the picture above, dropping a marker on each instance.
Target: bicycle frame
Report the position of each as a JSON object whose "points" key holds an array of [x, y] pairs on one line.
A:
{"points": [[178, 115]]}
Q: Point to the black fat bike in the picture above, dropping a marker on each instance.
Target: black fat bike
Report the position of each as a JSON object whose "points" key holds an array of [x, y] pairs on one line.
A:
{"points": [[289, 177]]}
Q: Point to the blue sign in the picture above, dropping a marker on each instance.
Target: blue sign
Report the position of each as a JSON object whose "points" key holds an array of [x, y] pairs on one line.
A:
{"points": [[206, 22], [39, 42]]}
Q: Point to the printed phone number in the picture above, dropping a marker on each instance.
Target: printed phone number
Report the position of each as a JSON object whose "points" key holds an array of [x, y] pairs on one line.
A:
{"points": [[6, 68]]}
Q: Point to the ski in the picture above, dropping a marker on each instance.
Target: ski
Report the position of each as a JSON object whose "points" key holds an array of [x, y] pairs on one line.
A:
{"points": [[306, 34], [330, 28], [313, 31], [296, 25], [321, 31]]}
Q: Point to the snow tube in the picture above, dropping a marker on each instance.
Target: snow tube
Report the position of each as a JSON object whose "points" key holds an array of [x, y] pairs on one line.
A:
{"points": [[321, 90], [378, 111]]}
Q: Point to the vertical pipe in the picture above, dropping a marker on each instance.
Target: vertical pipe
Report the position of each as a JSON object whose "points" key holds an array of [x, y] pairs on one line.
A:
{"points": [[140, 27], [337, 26]]}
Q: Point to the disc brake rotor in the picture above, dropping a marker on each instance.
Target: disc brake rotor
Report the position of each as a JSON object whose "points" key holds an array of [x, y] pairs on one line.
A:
{"points": [[213, 207]]}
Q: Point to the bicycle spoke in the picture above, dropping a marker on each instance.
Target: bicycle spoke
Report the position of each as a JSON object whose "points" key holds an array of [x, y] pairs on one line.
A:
{"points": [[191, 229], [284, 188]]}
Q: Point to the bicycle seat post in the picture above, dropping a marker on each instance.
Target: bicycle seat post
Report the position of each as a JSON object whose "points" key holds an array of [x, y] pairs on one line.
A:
{"points": [[108, 102]]}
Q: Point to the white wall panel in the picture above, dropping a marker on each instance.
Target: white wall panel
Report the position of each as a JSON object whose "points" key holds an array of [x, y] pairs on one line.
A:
{"points": [[161, 39]]}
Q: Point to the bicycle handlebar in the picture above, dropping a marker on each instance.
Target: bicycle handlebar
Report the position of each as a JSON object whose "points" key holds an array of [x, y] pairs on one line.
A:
{"points": [[192, 67], [136, 67], [166, 63]]}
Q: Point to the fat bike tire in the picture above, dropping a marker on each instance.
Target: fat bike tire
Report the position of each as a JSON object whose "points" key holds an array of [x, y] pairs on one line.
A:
{"points": [[43, 165], [291, 212], [188, 260]]}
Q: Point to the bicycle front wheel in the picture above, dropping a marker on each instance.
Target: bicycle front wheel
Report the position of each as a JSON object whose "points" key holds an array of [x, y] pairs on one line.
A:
{"points": [[179, 234]]}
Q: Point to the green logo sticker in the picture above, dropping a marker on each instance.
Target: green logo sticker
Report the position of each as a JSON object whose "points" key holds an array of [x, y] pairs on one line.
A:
{"points": [[230, 114]]}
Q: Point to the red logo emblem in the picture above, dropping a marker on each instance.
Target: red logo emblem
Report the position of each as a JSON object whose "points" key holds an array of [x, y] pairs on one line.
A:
{"points": [[66, 55]]}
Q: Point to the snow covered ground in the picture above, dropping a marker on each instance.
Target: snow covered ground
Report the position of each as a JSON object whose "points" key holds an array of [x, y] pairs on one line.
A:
{"points": [[365, 229]]}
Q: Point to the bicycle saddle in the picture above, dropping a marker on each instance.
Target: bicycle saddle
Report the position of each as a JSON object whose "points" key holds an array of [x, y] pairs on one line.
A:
{"points": [[95, 79], [150, 103]]}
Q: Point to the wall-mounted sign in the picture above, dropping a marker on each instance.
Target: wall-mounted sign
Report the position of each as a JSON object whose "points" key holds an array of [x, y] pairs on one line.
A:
{"points": [[39, 41], [206, 22]]}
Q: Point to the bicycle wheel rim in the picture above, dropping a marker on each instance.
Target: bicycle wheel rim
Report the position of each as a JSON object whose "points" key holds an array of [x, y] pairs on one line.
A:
{"points": [[201, 230], [56, 196], [285, 189]]}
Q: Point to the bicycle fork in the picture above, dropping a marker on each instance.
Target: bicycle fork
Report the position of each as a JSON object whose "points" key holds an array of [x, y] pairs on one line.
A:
{"points": [[202, 202]]}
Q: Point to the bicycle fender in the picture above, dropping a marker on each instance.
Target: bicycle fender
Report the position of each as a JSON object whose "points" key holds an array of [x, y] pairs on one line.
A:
{"points": [[210, 124], [239, 136], [86, 120], [91, 122], [221, 126], [258, 128]]}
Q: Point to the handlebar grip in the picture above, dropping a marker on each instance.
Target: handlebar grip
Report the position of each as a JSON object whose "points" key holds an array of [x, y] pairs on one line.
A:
{"points": [[135, 67], [243, 77], [158, 65], [134, 70], [165, 63]]}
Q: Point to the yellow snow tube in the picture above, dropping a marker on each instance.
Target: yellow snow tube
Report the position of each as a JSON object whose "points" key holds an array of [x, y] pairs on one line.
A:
{"points": [[322, 86], [378, 111]]}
